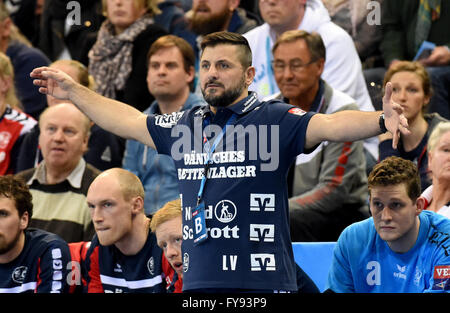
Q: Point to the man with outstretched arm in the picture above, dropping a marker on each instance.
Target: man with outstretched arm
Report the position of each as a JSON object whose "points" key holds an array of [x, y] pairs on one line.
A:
{"points": [[234, 194]]}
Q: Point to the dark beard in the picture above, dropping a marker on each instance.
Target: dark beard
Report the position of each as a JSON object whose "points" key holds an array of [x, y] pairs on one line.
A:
{"points": [[7, 247], [207, 25], [227, 97]]}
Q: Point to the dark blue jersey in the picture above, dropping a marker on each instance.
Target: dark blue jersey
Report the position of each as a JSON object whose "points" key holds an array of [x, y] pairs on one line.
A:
{"points": [[41, 267], [245, 195], [107, 270]]}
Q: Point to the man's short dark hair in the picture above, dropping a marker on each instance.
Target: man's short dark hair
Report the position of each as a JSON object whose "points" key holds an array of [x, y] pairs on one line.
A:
{"points": [[16, 189], [228, 38], [394, 171]]}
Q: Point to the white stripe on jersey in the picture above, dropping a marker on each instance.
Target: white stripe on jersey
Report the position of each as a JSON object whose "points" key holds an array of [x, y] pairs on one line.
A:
{"points": [[19, 289], [135, 284]]}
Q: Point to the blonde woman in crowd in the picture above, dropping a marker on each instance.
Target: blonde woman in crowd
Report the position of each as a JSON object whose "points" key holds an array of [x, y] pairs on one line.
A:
{"points": [[14, 123], [437, 196]]}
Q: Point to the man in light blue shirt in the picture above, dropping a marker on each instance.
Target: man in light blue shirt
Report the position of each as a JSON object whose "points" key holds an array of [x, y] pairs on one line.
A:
{"points": [[170, 75], [401, 248]]}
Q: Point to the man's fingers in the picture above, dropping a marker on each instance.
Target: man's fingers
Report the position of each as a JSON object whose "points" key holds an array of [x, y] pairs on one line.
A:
{"points": [[395, 138], [404, 121], [42, 72], [43, 90], [37, 72], [404, 130]]}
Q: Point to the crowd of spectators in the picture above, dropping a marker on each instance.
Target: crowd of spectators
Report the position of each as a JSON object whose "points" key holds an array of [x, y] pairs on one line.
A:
{"points": [[89, 185]]}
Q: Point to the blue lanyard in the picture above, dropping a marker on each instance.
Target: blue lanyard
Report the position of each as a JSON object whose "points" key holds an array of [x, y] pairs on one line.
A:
{"points": [[208, 159], [270, 76]]}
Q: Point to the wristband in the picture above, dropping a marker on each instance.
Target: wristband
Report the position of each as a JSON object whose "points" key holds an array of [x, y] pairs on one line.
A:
{"points": [[382, 124]]}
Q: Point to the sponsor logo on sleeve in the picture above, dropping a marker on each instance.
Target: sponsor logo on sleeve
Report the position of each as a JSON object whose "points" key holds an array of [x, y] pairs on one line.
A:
{"points": [[297, 111], [441, 272], [168, 120], [441, 276]]}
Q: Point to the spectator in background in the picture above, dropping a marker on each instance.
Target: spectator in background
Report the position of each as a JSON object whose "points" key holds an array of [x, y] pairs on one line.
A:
{"points": [[406, 24], [26, 15], [170, 75], [66, 35], [329, 185], [123, 255], [14, 124], [172, 17], [23, 58], [118, 58], [401, 248], [352, 16], [437, 196], [59, 183], [167, 226], [342, 69], [411, 88], [440, 101], [31, 260], [209, 16], [105, 150]]}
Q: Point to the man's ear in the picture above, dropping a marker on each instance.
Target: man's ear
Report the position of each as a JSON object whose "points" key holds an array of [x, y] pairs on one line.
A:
{"points": [[321, 65], [249, 75], [138, 205], [6, 83], [420, 205], [24, 219], [191, 74]]}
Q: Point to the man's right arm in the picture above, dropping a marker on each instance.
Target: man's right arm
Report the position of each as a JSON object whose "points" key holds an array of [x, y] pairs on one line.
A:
{"points": [[111, 115]]}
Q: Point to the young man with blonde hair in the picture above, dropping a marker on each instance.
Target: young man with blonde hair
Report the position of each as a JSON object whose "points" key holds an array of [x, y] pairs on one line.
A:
{"points": [[167, 226]]}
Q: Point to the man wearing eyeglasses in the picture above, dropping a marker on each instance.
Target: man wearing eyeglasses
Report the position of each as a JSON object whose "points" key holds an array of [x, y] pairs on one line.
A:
{"points": [[342, 68], [327, 188]]}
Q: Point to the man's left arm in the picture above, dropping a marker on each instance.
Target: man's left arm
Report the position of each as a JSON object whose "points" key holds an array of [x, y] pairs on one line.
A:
{"points": [[53, 268], [356, 125]]}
